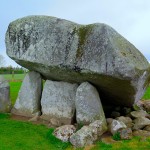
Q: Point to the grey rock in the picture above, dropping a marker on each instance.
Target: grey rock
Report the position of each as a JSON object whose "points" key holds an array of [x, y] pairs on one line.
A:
{"points": [[64, 132], [146, 105], [126, 120], [140, 123], [83, 137], [141, 133], [5, 103], [116, 126], [138, 113], [66, 51], [58, 101], [147, 128], [88, 104], [29, 97], [99, 126], [125, 134]]}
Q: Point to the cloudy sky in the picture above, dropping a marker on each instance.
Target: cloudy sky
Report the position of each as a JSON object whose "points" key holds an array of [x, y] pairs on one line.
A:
{"points": [[131, 18]]}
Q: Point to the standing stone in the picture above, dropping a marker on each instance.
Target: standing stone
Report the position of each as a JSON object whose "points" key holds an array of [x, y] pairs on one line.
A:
{"points": [[28, 101], [66, 51], [58, 101], [5, 103], [88, 104]]}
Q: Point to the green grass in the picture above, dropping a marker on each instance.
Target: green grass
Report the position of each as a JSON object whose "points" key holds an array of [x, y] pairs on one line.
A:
{"points": [[17, 135], [135, 144], [16, 77], [147, 94], [14, 89]]}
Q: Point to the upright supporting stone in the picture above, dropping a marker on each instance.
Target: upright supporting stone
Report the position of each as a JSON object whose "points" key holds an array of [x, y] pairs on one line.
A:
{"points": [[5, 103], [88, 104], [58, 101], [28, 101]]}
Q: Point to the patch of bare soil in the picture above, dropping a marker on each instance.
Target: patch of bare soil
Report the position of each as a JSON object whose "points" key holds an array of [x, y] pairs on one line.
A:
{"points": [[27, 119]]}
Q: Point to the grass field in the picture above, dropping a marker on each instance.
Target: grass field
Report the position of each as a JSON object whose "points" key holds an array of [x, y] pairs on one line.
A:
{"points": [[15, 77], [17, 135]]}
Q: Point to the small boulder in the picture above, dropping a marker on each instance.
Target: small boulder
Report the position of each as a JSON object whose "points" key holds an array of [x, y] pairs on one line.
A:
{"points": [[28, 100], [64, 132], [140, 123], [125, 133], [116, 126], [83, 137], [5, 104], [147, 128], [100, 127], [58, 101], [141, 133], [88, 104], [126, 120], [146, 105], [138, 113]]}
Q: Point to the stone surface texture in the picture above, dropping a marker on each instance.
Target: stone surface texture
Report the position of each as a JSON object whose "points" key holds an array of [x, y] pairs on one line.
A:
{"points": [[141, 133], [64, 132], [146, 105], [5, 103], [29, 97], [125, 134], [83, 137], [88, 104], [58, 101], [138, 113], [116, 126], [66, 51], [126, 120], [140, 123], [99, 126]]}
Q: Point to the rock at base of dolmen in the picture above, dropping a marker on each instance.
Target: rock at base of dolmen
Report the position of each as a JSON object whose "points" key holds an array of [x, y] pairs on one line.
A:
{"points": [[5, 104], [88, 104], [29, 97], [58, 102]]}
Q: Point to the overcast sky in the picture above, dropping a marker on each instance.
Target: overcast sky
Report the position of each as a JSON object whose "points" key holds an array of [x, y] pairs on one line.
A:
{"points": [[131, 18]]}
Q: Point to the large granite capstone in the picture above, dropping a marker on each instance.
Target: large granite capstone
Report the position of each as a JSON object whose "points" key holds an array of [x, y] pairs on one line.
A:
{"points": [[62, 50]]}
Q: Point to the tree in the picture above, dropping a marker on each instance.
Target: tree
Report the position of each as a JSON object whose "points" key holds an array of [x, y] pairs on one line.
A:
{"points": [[2, 60]]}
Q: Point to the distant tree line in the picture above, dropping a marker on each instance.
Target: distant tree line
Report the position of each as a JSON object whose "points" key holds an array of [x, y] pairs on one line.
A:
{"points": [[12, 70]]}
